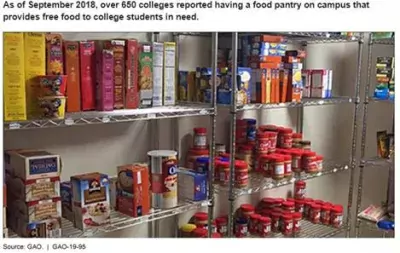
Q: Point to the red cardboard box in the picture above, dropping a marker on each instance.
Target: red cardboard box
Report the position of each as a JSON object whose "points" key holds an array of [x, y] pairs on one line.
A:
{"points": [[118, 48], [72, 70], [132, 75], [88, 78]]}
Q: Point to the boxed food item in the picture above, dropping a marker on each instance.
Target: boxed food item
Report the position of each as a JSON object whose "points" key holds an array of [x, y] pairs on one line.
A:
{"points": [[385, 63], [55, 56], [146, 76], [295, 84], [118, 48], [33, 190], [66, 201], [105, 89], [268, 59], [32, 164], [306, 79], [52, 107], [34, 211], [266, 84], [267, 52], [49, 228], [132, 74], [266, 38], [14, 77], [52, 85], [192, 185], [255, 83], [169, 96], [296, 53], [158, 63], [35, 65], [183, 86], [203, 84], [133, 196], [91, 200], [283, 85], [88, 78], [275, 95], [319, 83], [225, 87], [72, 70]]}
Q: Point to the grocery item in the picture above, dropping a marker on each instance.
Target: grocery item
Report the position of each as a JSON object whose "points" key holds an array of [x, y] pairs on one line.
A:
{"points": [[201, 219], [251, 130], [192, 185], [253, 223], [264, 226], [133, 196], [52, 85], [263, 142], [307, 207], [164, 178], [285, 138], [241, 227], [245, 153], [200, 233], [287, 224], [146, 76], [132, 74], [202, 165], [315, 213], [88, 70], [14, 77], [187, 230], [287, 165], [266, 165], [295, 83], [296, 139], [220, 148], [49, 228], [241, 174], [319, 162], [223, 169], [20, 211], [169, 94], [55, 56], [200, 138], [275, 216], [66, 201], [52, 107], [222, 223], [306, 77], [308, 161], [158, 69], [381, 144], [297, 222], [326, 214], [278, 171], [241, 131], [72, 71], [193, 154], [246, 210], [337, 216], [296, 160], [105, 86], [288, 206], [319, 83]]}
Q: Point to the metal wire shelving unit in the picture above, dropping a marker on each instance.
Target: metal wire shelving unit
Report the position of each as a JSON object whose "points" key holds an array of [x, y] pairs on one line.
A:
{"points": [[364, 161]]}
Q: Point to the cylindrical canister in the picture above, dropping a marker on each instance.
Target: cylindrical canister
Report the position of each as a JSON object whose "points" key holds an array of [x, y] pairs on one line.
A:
{"points": [[164, 178]]}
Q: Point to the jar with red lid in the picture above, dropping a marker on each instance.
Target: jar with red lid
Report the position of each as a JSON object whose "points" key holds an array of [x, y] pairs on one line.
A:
{"points": [[273, 138], [290, 199], [253, 223], [287, 162], [264, 226], [268, 203], [278, 202], [223, 169], [299, 189], [288, 206], [315, 213], [216, 235], [297, 155], [297, 137], [278, 171], [200, 233], [262, 143], [194, 154], [201, 219], [319, 159], [241, 131], [222, 225], [246, 210], [308, 162], [299, 205], [200, 138], [337, 216], [245, 153], [306, 145], [241, 174], [275, 220], [241, 227], [307, 208], [287, 224], [319, 202], [270, 128], [286, 138], [265, 165], [326, 214], [297, 222], [265, 212]]}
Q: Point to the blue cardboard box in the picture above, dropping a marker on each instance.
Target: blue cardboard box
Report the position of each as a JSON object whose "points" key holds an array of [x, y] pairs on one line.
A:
{"points": [[192, 185]]}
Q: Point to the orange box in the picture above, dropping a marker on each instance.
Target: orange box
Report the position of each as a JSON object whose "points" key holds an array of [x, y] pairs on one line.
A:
{"points": [[266, 85], [275, 86], [133, 194], [72, 70], [291, 59], [271, 59], [55, 58], [283, 85], [267, 38]]}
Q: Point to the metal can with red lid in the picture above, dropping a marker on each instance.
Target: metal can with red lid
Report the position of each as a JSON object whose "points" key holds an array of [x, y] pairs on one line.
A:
{"points": [[241, 174], [315, 213], [264, 226], [275, 220], [287, 224], [299, 189], [253, 223], [337, 216], [246, 210], [299, 205], [297, 222], [326, 214], [288, 206], [222, 225], [200, 138]]}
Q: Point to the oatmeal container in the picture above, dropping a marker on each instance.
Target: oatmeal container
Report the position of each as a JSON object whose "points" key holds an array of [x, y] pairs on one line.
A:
{"points": [[164, 178]]}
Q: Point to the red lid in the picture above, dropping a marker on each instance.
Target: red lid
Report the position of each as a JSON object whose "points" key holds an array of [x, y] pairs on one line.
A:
{"points": [[241, 122], [195, 152], [222, 164], [278, 150], [287, 216], [264, 219], [299, 201], [245, 147], [216, 235], [287, 158], [300, 183], [279, 159], [272, 134], [329, 204], [295, 151], [280, 129], [320, 157], [290, 200], [239, 164], [297, 215], [326, 207], [337, 208], [309, 200], [270, 127], [315, 206], [200, 130], [287, 130], [285, 152], [288, 204], [279, 200], [309, 153], [200, 232], [319, 202], [201, 216], [247, 208], [297, 135], [275, 214], [261, 134], [277, 210], [254, 216], [269, 201], [221, 220], [265, 212]]}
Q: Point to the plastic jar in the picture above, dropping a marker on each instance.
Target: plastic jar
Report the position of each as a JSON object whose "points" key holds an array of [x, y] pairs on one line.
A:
{"points": [[201, 219], [187, 229], [194, 154], [222, 225], [296, 160], [265, 165], [200, 233], [216, 235], [337, 216], [267, 203], [241, 174], [278, 202], [286, 138], [297, 222], [278, 171], [253, 223], [245, 153], [288, 206], [290, 199], [306, 145], [297, 137], [287, 162], [223, 169], [265, 212], [275, 216], [220, 148], [315, 213], [287, 224], [273, 138], [246, 210], [326, 214], [299, 189], [200, 138], [299, 205], [251, 130], [241, 228], [264, 226], [202, 165], [241, 131], [308, 161], [319, 162], [307, 208], [262, 143]]}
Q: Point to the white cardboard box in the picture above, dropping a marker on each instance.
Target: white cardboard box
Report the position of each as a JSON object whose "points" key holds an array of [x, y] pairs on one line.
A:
{"points": [[169, 73], [158, 63]]}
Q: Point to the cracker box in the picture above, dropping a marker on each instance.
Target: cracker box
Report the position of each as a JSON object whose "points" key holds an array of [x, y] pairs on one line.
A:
{"points": [[34, 211], [319, 83], [306, 77], [133, 196], [118, 48], [105, 88], [72, 70], [35, 65], [146, 76], [158, 63], [33, 190], [169, 96], [132, 75], [14, 77], [32, 164], [91, 200], [192, 185], [49, 228], [88, 78], [55, 56], [66, 201]]}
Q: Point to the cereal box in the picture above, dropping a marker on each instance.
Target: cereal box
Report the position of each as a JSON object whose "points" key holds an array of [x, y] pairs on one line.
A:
{"points": [[34, 211], [32, 190], [192, 185], [49, 228], [158, 63], [88, 70], [118, 48], [295, 84], [91, 200], [132, 74], [255, 83], [275, 86], [32, 164], [266, 84], [66, 201], [105, 89], [133, 196], [72, 70], [146, 76], [55, 56], [183, 86], [169, 73], [35, 65], [14, 77]]}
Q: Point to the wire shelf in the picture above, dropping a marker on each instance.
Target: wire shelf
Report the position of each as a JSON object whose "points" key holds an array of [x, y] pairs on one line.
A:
{"points": [[365, 225], [388, 41], [378, 162], [373, 99], [94, 117], [258, 182]]}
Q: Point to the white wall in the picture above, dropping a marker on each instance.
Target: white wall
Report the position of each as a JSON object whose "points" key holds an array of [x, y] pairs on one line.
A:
{"points": [[103, 147]]}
